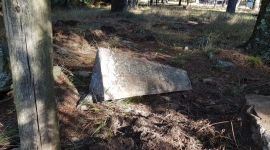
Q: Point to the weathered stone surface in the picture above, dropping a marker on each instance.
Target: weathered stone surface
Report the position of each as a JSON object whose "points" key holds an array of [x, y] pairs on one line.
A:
{"points": [[223, 63], [117, 76], [5, 72], [62, 51], [84, 74], [57, 71], [259, 109]]}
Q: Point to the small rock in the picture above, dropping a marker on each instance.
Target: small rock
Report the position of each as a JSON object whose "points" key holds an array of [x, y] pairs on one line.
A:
{"points": [[57, 71], [76, 139], [242, 87], [223, 63], [167, 98], [208, 80], [210, 55], [83, 107], [86, 100], [62, 51], [84, 74], [186, 48], [126, 42], [142, 113]]}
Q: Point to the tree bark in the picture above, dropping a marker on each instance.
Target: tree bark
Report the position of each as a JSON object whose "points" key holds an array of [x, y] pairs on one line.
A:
{"points": [[179, 4], [188, 4], [231, 6], [237, 4], [224, 2], [215, 3], [256, 5], [119, 5], [151, 2], [29, 34], [132, 4], [259, 42]]}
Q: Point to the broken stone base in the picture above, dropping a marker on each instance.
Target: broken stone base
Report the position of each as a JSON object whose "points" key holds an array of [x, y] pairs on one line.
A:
{"points": [[117, 76], [259, 110]]}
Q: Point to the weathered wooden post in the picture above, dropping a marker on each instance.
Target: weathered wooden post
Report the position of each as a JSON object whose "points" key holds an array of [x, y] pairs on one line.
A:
{"points": [[29, 34]]}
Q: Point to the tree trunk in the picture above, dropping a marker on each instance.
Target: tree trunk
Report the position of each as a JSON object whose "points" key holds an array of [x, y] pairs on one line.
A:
{"points": [[188, 4], [237, 3], [259, 42], [119, 5], [256, 5], [215, 3], [231, 6], [179, 4], [224, 2], [151, 2], [135, 4], [29, 34]]}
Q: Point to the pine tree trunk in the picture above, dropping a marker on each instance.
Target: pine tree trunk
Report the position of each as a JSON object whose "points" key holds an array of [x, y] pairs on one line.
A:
{"points": [[29, 34], [179, 4], [151, 2], [188, 4], [224, 2], [119, 5], [215, 3], [259, 42], [231, 6]]}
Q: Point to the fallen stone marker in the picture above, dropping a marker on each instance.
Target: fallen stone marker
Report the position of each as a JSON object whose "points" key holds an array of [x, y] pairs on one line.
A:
{"points": [[259, 110], [117, 76]]}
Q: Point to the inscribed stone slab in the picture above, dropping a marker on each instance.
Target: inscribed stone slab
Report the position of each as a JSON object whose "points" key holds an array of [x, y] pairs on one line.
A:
{"points": [[117, 76]]}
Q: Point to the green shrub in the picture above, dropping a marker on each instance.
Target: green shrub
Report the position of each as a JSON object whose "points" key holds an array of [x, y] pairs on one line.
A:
{"points": [[254, 61]]}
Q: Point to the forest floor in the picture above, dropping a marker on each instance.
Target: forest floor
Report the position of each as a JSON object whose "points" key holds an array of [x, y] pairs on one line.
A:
{"points": [[210, 116]]}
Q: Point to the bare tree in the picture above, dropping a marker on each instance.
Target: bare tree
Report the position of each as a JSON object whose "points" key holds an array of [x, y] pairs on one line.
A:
{"points": [[29, 34]]}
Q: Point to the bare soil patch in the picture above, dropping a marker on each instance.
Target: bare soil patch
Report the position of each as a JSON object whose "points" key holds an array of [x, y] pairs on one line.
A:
{"points": [[211, 116]]}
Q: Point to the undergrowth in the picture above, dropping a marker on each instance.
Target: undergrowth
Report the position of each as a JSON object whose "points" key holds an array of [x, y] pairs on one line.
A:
{"points": [[7, 134]]}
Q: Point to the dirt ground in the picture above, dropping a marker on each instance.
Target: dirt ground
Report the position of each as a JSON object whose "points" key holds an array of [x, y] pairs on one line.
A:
{"points": [[211, 116]]}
